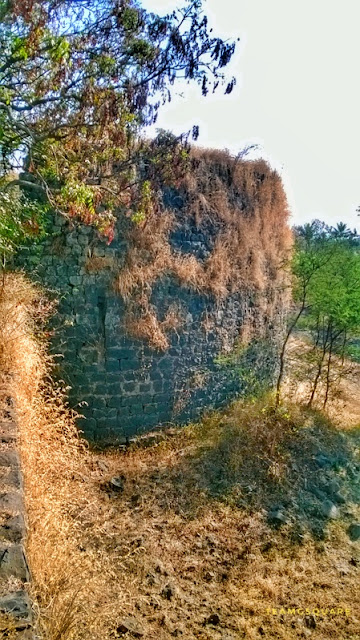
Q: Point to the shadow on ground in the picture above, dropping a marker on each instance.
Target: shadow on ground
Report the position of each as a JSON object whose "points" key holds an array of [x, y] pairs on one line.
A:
{"points": [[297, 468]]}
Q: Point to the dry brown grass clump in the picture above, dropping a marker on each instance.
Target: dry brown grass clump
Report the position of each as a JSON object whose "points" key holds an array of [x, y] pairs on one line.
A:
{"points": [[248, 199], [149, 256], [246, 203], [7, 627], [142, 322], [94, 264], [20, 305]]}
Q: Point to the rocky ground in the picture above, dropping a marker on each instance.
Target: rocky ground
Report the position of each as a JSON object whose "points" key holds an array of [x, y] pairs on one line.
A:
{"points": [[202, 557]]}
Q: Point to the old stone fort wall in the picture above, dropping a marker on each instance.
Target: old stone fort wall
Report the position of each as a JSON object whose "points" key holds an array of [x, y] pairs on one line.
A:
{"points": [[119, 381]]}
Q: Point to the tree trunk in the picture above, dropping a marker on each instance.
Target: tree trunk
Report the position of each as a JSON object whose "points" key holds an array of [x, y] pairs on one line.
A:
{"points": [[283, 351], [320, 366], [328, 368]]}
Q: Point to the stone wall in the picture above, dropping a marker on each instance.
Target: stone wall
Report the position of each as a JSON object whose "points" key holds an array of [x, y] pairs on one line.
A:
{"points": [[15, 606], [123, 385]]}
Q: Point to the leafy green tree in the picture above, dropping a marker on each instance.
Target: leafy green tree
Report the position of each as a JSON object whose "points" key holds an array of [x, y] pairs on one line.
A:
{"points": [[325, 272], [20, 219], [341, 230], [78, 81], [333, 316], [312, 251]]}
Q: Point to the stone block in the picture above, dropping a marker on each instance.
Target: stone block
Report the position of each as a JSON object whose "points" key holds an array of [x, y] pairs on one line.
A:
{"points": [[101, 389], [165, 416], [11, 502], [100, 402], [18, 605], [129, 376], [150, 408], [136, 409], [137, 399], [129, 387], [109, 424], [116, 402], [83, 241], [114, 388], [9, 459], [98, 413], [145, 387], [158, 386], [8, 432], [75, 281], [13, 529], [130, 364], [129, 425], [71, 238], [91, 295], [116, 353], [157, 375], [354, 531], [162, 408], [98, 376], [166, 364], [112, 365], [85, 230], [13, 563], [13, 478], [149, 420], [164, 398], [87, 355]]}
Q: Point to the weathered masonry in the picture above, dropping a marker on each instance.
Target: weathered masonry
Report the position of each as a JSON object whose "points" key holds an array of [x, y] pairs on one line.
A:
{"points": [[15, 605], [148, 326]]}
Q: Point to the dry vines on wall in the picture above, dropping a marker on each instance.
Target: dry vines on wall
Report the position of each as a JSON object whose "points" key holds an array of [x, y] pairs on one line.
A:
{"points": [[246, 203], [146, 325]]}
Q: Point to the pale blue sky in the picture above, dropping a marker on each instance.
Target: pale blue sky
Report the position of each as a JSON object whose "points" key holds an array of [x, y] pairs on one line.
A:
{"points": [[298, 95]]}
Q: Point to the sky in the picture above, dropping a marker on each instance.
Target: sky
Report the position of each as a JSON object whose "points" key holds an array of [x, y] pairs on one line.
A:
{"points": [[297, 96]]}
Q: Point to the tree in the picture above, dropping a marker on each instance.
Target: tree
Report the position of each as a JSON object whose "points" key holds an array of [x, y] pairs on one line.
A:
{"points": [[20, 220], [341, 230], [311, 252], [326, 293], [333, 316], [78, 81]]}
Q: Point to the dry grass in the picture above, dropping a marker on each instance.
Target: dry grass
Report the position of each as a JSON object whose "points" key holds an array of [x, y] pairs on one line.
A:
{"points": [[246, 203], [94, 264], [20, 304], [141, 322], [186, 547], [148, 258], [189, 271], [7, 627]]}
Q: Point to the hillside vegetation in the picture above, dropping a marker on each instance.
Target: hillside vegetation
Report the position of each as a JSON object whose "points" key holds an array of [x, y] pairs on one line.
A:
{"points": [[236, 527]]}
